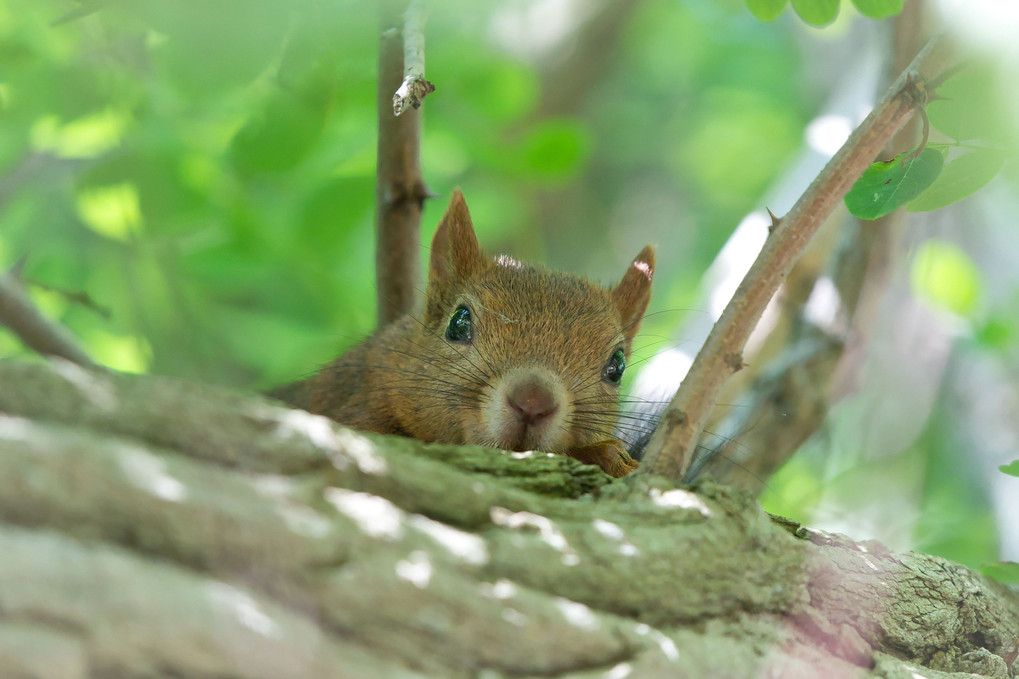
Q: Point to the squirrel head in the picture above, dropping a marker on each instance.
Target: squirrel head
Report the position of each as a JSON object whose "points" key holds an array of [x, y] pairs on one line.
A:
{"points": [[537, 355]]}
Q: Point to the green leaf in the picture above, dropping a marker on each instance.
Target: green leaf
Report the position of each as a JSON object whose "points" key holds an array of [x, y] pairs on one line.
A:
{"points": [[944, 275], [879, 9], [1012, 469], [889, 185], [766, 10], [1005, 572], [958, 179], [971, 107], [997, 334], [817, 12]]}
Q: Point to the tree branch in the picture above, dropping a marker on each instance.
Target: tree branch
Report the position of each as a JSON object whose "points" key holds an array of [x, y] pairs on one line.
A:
{"points": [[19, 314], [156, 527], [671, 447], [791, 383], [414, 87], [400, 190]]}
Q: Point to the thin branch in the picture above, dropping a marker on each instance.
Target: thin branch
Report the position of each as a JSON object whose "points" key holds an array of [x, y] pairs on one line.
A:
{"points": [[790, 385], [19, 314], [76, 297], [400, 191], [722, 354], [414, 87]]}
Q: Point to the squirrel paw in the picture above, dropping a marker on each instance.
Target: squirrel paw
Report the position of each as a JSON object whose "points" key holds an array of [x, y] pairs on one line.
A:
{"points": [[610, 455]]}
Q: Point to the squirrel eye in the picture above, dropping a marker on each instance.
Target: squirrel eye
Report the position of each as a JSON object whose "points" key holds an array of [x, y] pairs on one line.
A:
{"points": [[613, 370], [460, 327]]}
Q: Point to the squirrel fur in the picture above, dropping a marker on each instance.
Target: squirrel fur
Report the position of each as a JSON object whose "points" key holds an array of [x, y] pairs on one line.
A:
{"points": [[505, 355]]}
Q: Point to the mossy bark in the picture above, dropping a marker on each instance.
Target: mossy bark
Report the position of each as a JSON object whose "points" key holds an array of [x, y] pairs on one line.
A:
{"points": [[152, 527]]}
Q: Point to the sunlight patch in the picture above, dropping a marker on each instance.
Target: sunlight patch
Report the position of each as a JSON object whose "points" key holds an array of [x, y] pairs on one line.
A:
{"points": [[16, 428], [245, 608], [112, 211], [827, 133], [376, 516], [577, 614], [342, 445], [681, 499], [148, 472], [620, 671], [546, 529], [665, 644], [615, 533], [500, 589], [464, 546], [415, 569], [85, 137]]}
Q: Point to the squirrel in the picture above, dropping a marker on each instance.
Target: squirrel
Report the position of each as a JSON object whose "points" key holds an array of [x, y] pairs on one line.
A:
{"points": [[505, 355]]}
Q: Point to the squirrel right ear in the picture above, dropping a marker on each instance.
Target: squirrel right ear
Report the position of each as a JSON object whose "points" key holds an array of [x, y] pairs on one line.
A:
{"points": [[634, 292], [455, 251]]}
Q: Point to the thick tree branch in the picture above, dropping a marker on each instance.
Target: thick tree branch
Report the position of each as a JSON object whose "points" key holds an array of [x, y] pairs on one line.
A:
{"points": [[669, 452], [154, 527], [19, 314], [400, 190]]}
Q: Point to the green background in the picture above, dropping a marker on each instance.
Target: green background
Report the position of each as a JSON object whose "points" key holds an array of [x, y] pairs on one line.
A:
{"points": [[204, 173]]}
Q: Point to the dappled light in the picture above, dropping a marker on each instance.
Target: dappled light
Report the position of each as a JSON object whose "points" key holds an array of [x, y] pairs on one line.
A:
{"points": [[546, 529], [150, 472], [376, 516], [463, 545], [245, 608], [347, 445], [679, 499]]}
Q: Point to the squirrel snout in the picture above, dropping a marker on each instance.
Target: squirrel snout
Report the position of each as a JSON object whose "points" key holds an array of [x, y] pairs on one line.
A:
{"points": [[527, 411], [531, 402]]}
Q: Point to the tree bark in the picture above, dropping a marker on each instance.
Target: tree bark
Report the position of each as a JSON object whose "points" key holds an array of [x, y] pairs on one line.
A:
{"points": [[154, 527], [400, 190]]}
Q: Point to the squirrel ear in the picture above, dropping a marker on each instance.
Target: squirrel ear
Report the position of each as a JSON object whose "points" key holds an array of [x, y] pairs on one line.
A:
{"points": [[455, 250], [634, 291]]}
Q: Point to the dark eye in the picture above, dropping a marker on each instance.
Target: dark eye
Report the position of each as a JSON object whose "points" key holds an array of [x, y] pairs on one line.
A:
{"points": [[613, 370], [460, 328]]}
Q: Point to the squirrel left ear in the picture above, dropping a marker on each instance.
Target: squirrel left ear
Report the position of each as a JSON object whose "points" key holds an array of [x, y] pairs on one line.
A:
{"points": [[634, 291], [455, 250], [456, 255]]}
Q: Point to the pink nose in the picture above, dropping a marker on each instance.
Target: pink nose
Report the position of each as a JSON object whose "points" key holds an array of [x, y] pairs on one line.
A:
{"points": [[531, 402]]}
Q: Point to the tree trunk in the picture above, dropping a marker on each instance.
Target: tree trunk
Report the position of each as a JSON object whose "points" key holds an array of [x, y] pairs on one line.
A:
{"points": [[153, 527]]}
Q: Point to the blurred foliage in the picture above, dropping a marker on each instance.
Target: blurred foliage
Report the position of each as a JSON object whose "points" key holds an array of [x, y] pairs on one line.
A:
{"points": [[822, 12], [945, 276], [205, 172]]}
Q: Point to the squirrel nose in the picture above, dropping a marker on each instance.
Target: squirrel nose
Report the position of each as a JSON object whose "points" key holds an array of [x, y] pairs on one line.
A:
{"points": [[531, 402]]}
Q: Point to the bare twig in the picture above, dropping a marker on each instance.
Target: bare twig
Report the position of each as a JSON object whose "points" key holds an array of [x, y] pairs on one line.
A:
{"points": [[19, 314], [400, 191], [78, 297], [722, 354], [414, 87]]}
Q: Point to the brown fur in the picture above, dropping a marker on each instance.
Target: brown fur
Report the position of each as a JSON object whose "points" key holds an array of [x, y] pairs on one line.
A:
{"points": [[534, 331]]}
